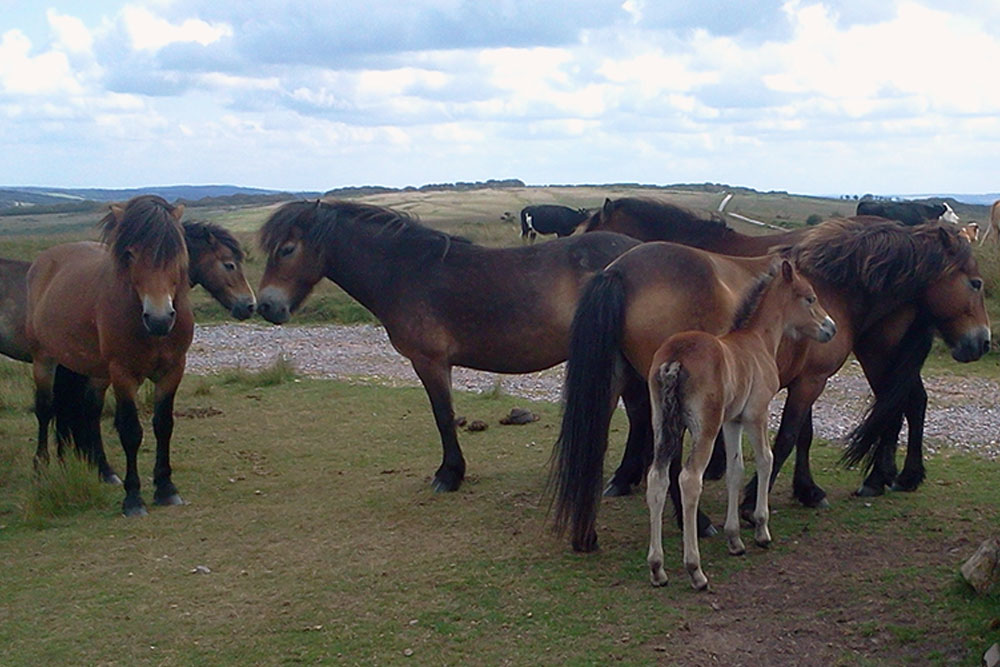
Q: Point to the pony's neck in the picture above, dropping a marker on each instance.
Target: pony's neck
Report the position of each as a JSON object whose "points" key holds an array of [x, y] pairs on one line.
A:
{"points": [[768, 320], [358, 263]]}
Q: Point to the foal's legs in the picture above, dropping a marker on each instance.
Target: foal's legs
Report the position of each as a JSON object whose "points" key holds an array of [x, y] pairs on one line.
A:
{"points": [[436, 377], [163, 428], [757, 432], [732, 434], [657, 485], [705, 428]]}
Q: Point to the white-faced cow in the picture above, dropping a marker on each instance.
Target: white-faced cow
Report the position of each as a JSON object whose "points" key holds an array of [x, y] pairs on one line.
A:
{"points": [[908, 212], [550, 219]]}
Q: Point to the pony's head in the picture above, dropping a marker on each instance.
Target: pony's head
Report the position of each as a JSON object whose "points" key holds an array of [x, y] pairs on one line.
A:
{"points": [[929, 265], [294, 264], [216, 263], [146, 242], [804, 315], [956, 299]]}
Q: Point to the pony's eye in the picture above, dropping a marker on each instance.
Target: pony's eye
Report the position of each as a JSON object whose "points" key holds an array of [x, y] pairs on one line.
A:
{"points": [[287, 250], [229, 266], [810, 299], [977, 283]]}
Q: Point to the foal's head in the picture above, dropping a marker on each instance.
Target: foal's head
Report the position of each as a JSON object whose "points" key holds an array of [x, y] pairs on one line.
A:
{"points": [[217, 264], [803, 313], [147, 246]]}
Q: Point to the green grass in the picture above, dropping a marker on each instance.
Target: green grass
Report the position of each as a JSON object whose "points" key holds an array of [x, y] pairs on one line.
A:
{"points": [[310, 503]]}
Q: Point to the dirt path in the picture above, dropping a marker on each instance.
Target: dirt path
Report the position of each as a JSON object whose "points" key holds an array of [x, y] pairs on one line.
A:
{"points": [[962, 413]]}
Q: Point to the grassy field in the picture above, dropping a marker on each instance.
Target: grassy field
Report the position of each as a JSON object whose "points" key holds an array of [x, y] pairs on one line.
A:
{"points": [[310, 507]]}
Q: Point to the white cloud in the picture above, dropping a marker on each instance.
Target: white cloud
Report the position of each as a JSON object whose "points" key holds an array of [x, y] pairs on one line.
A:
{"points": [[150, 32], [71, 33], [24, 74]]}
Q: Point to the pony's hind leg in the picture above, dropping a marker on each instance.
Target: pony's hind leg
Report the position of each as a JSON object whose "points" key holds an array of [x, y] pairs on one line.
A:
{"points": [[913, 472], [163, 427], [657, 485], [691, 485], [732, 434], [638, 449], [44, 374]]}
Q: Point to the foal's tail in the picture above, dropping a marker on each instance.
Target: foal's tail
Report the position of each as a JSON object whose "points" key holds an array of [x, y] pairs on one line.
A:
{"points": [[590, 394], [669, 433], [864, 443]]}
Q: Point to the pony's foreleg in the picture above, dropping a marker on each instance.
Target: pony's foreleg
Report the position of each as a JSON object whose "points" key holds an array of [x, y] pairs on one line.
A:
{"points": [[757, 433], [732, 433], [436, 378], [130, 433], [163, 427], [703, 434], [913, 468], [44, 374]]}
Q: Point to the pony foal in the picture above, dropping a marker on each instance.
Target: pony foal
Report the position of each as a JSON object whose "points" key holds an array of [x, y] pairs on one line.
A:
{"points": [[705, 383]]}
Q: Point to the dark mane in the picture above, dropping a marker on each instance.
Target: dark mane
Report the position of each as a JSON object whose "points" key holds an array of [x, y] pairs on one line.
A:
{"points": [[147, 223], [199, 234], [319, 221], [654, 215], [876, 256], [751, 300]]}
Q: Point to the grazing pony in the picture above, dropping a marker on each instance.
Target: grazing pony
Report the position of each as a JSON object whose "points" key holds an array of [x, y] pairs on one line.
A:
{"points": [[886, 286], [550, 219], [117, 314], [443, 300], [707, 384]]}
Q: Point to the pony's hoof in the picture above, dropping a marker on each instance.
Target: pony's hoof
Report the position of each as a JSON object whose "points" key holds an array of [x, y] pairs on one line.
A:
{"points": [[615, 489], [172, 499], [443, 486], [658, 578], [865, 491], [896, 486], [112, 479], [135, 511], [708, 531], [699, 581], [823, 504]]}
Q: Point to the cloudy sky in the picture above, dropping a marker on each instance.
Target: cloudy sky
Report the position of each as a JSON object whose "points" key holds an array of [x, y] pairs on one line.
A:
{"points": [[822, 97]]}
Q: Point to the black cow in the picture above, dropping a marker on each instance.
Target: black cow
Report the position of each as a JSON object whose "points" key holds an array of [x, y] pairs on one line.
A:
{"points": [[908, 212], [550, 219]]}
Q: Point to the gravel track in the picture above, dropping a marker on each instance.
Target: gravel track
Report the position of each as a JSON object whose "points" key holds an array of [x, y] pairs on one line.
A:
{"points": [[962, 412]]}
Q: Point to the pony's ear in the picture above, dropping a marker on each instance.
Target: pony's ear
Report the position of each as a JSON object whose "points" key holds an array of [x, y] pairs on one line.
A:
{"points": [[786, 270], [946, 240], [118, 211], [607, 205], [178, 212], [128, 256]]}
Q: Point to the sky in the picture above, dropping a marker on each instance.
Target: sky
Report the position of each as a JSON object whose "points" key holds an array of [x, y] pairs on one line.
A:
{"points": [[828, 97]]}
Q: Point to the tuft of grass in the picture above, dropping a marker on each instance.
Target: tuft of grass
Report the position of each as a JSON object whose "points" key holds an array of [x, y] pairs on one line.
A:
{"points": [[280, 371], [65, 488], [16, 387]]}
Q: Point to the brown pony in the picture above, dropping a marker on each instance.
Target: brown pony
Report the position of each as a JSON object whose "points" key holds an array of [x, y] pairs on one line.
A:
{"points": [[443, 300], [117, 314], [866, 272], [895, 340], [718, 384], [215, 263]]}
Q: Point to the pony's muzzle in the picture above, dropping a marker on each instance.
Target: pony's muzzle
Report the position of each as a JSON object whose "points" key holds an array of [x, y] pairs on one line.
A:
{"points": [[159, 325], [273, 306], [827, 330], [972, 346], [243, 308]]}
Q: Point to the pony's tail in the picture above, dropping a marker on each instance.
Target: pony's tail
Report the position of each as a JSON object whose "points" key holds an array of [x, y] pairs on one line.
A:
{"points": [[669, 432], [68, 399], [864, 443], [590, 394]]}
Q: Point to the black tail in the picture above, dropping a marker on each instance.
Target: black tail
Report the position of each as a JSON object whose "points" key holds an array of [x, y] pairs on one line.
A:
{"points": [[68, 401], [670, 430], [590, 394], [890, 397]]}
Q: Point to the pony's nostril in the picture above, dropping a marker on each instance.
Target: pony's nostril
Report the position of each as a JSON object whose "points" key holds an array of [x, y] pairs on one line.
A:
{"points": [[264, 308], [250, 308]]}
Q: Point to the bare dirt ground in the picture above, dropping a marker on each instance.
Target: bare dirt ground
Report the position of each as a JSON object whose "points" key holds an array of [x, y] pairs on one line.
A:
{"points": [[962, 411]]}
